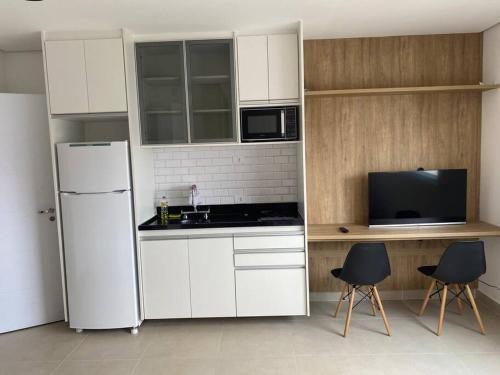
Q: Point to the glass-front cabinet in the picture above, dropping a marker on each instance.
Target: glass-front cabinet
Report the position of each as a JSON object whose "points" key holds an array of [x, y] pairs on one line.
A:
{"points": [[186, 92], [162, 95]]}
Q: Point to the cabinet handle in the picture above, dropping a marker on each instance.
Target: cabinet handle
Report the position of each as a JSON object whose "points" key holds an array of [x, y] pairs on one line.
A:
{"points": [[256, 268]]}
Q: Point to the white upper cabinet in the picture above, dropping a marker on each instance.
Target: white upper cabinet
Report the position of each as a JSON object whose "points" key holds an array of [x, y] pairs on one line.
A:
{"points": [[283, 58], [268, 68], [105, 75], [67, 82], [85, 76], [252, 68]]}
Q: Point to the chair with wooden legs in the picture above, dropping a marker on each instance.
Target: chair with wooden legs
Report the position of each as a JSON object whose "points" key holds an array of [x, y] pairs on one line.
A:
{"points": [[461, 264], [366, 265]]}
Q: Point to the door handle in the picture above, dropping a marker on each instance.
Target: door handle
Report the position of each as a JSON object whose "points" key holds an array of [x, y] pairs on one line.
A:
{"points": [[47, 211], [282, 122]]}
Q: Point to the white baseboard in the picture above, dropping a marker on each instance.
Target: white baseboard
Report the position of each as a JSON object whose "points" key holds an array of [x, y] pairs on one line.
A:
{"points": [[485, 299]]}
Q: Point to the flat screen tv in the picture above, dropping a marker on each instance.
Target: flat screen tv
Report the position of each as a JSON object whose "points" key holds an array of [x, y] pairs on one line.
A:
{"points": [[423, 197]]}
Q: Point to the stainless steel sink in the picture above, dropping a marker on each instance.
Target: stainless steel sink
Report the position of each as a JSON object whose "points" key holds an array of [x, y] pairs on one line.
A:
{"points": [[194, 217], [193, 221]]}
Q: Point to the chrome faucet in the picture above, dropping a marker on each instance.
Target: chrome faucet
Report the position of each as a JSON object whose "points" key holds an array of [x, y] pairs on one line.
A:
{"points": [[185, 214], [194, 191]]}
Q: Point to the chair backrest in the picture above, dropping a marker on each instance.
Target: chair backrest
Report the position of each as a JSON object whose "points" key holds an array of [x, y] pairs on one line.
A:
{"points": [[462, 262], [366, 264]]}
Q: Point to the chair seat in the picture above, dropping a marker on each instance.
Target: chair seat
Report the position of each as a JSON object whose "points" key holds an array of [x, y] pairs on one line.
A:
{"points": [[336, 272], [427, 270]]}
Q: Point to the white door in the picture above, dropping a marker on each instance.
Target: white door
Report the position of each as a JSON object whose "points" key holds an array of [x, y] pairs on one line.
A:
{"points": [[283, 66], [66, 76], [105, 75], [99, 253], [211, 268], [30, 277], [165, 279], [252, 68]]}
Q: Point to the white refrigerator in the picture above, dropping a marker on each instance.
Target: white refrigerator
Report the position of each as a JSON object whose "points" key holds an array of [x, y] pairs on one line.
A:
{"points": [[97, 222]]}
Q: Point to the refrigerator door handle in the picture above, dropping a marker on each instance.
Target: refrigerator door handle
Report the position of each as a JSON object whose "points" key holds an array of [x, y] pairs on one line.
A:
{"points": [[121, 191]]}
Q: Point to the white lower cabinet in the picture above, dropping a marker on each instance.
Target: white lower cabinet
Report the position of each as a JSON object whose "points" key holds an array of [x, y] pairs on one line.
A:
{"points": [[165, 279], [212, 277], [271, 292], [224, 276]]}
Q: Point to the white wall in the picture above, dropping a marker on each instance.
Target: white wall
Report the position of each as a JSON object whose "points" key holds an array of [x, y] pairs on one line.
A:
{"points": [[227, 174], [490, 158], [2, 71], [23, 72]]}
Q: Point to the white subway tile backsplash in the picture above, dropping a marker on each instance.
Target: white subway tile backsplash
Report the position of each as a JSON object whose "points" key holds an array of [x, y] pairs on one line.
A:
{"points": [[281, 159], [222, 161], [288, 151], [289, 182], [227, 175]]}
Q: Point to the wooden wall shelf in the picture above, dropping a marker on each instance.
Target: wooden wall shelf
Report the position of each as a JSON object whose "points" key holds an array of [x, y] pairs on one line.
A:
{"points": [[357, 232], [403, 90]]}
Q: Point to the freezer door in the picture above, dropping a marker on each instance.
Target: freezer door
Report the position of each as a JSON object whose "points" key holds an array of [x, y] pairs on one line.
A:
{"points": [[93, 168], [100, 261]]}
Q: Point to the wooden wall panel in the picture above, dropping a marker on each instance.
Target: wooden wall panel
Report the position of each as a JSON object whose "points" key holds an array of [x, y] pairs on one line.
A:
{"points": [[347, 137], [392, 61]]}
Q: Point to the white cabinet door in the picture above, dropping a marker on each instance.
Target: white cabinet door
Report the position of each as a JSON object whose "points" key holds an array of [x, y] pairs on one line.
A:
{"points": [[165, 279], [283, 66], [271, 292], [105, 75], [252, 68], [212, 277], [65, 63]]}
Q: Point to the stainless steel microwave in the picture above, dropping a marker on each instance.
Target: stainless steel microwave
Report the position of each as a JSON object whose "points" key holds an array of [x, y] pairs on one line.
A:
{"points": [[263, 124]]}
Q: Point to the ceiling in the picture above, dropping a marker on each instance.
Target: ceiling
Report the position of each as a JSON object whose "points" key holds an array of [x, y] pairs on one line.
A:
{"points": [[21, 21]]}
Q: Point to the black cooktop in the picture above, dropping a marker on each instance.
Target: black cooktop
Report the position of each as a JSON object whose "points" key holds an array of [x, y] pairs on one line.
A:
{"points": [[231, 215]]}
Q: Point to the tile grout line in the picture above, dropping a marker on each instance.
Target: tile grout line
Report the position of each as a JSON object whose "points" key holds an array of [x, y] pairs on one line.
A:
{"points": [[71, 352], [141, 357]]}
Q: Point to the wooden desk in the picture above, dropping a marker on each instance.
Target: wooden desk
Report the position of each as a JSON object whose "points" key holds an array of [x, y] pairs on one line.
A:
{"points": [[357, 232]]}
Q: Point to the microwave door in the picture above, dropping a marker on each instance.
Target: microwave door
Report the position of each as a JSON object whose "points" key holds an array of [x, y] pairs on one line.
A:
{"points": [[260, 125]]}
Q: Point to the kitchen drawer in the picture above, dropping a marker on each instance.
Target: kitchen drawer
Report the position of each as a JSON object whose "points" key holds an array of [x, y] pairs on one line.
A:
{"points": [[269, 242], [270, 259], [271, 292]]}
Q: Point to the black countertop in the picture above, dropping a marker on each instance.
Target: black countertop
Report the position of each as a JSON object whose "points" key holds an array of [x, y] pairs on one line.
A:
{"points": [[231, 215]]}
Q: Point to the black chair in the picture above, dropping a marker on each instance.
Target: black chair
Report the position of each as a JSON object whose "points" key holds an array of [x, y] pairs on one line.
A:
{"points": [[366, 265], [461, 263]]}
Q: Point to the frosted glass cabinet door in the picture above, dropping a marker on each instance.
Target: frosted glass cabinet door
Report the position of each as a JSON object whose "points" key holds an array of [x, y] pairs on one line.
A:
{"points": [[161, 83], [211, 90]]}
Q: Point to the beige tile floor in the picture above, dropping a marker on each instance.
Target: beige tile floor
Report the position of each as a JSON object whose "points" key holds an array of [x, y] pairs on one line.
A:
{"points": [[266, 345]]}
